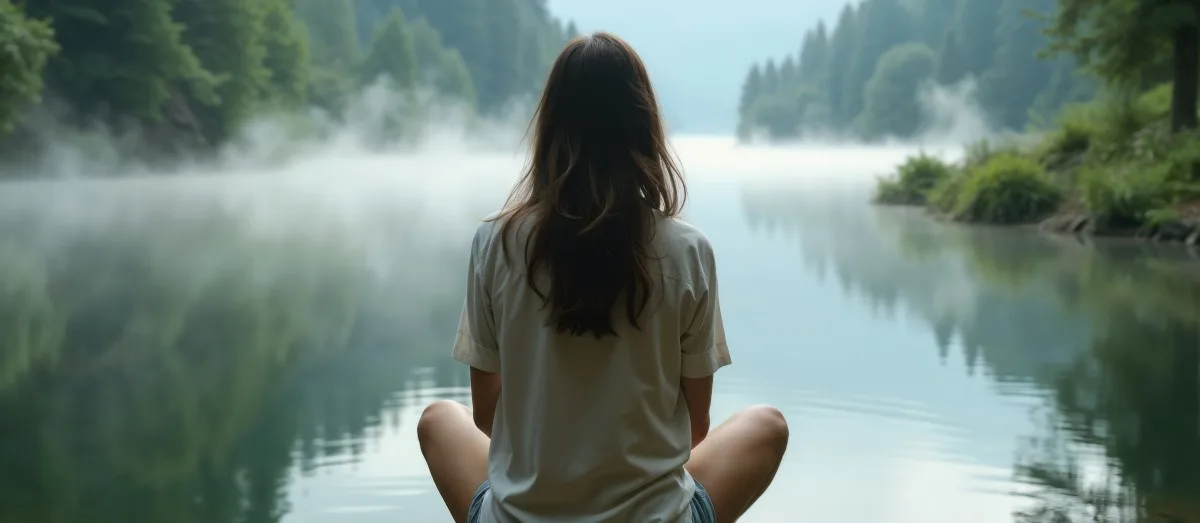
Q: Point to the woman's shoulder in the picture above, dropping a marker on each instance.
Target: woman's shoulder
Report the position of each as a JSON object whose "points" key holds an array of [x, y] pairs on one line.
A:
{"points": [[679, 235]]}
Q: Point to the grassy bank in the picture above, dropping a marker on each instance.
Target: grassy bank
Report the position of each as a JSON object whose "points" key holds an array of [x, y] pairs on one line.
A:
{"points": [[1109, 167]]}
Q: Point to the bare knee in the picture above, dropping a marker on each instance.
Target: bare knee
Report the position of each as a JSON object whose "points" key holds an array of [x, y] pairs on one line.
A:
{"points": [[435, 416], [771, 424]]}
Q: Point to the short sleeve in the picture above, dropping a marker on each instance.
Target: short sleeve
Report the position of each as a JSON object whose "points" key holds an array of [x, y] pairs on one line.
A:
{"points": [[475, 343], [704, 346]]}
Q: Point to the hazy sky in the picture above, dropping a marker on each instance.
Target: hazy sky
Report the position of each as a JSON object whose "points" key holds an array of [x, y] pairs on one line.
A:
{"points": [[698, 51]]}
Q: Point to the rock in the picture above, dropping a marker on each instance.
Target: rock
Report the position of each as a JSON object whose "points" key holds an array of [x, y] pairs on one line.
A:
{"points": [[1079, 224], [1065, 223], [1194, 238], [1174, 231]]}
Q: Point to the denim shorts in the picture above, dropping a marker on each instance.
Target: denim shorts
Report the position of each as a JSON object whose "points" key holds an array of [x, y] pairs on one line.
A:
{"points": [[702, 507]]}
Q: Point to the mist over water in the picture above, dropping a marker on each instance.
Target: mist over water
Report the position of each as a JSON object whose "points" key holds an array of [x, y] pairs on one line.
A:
{"points": [[261, 334]]}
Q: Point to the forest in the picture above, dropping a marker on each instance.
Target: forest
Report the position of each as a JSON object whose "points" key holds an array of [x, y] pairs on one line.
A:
{"points": [[1096, 101], [863, 75], [187, 75]]}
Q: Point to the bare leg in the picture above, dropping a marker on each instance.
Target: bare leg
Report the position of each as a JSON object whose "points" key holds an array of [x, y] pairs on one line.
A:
{"points": [[456, 452], [737, 461]]}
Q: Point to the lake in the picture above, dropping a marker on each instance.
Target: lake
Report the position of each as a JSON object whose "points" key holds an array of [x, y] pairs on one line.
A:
{"points": [[257, 346]]}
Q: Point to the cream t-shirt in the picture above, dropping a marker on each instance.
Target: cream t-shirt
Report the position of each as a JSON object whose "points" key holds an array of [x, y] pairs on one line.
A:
{"points": [[587, 430]]}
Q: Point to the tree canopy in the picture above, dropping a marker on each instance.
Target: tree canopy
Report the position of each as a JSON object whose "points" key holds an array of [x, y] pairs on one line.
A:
{"points": [[197, 70], [998, 44]]}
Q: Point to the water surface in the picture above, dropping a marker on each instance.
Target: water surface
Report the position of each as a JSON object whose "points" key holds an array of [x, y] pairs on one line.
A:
{"points": [[256, 347]]}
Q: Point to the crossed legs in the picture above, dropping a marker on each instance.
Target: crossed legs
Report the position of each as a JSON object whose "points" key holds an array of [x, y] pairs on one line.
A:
{"points": [[736, 463]]}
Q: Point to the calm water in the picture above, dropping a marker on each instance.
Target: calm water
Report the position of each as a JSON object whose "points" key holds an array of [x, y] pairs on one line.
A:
{"points": [[256, 349]]}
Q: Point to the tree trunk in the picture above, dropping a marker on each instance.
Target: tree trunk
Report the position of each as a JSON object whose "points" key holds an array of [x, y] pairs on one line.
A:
{"points": [[1187, 77]]}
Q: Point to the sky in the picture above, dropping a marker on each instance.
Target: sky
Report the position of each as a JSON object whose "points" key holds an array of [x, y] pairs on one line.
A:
{"points": [[698, 51]]}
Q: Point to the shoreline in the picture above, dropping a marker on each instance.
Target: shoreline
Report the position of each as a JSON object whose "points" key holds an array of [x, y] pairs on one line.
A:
{"points": [[1182, 231]]}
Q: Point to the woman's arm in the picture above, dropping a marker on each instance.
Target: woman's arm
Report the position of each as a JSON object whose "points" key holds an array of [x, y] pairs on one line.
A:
{"points": [[697, 392], [485, 392]]}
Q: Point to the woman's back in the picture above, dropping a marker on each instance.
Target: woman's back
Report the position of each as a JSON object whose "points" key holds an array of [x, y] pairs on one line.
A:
{"points": [[592, 429], [592, 329]]}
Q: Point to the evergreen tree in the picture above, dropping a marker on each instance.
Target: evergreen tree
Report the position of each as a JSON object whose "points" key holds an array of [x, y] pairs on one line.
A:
{"points": [[228, 38], [286, 60], [123, 59], [1009, 89], [28, 45], [1123, 40], [752, 88], [841, 52], [814, 56], [770, 84], [884, 24], [891, 96], [392, 55], [787, 73], [937, 18], [453, 79], [977, 23]]}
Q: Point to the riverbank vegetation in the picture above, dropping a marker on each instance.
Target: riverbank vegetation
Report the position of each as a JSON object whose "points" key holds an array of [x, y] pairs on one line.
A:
{"points": [[175, 77], [1125, 162]]}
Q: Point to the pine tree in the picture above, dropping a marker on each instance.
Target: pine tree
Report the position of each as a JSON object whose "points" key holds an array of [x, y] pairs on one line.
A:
{"points": [[752, 89], [286, 59], [787, 73], [814, 56], [977, 24], [228, 38], [884, 24], [392, 55], [841, 51]]}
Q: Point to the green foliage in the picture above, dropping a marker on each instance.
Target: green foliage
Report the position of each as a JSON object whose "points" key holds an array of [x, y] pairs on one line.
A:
{"points": [[126, 58], [914, 180], [286, 59], [332, 29], [890, 95], [25, 47], [188, 74], [994, 42], [442, 67], [1007, 189], [882, 25], [943, 197], [392, 56], [1144, 186], [227, 37]]}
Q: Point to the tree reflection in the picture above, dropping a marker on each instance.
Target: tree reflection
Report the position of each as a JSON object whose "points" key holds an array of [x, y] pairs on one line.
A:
{"points": [[1110, 332], [180, 368]]}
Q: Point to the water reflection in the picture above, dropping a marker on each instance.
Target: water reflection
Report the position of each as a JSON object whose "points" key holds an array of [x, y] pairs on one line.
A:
{"points": [[174, 360], [230, 353], [1107, 333]]}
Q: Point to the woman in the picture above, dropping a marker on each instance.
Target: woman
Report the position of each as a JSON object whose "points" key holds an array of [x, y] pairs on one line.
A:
{"points": [[593, 329]]}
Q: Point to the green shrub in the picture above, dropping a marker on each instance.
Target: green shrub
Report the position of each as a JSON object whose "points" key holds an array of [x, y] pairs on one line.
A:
{"points": [[1119, 194], [914, 179], [944, 196], [978, 153], [1144, 187], [1071, 140], [1007, 189]]}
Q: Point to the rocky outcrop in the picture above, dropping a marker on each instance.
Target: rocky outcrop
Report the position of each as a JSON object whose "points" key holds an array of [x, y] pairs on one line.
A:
{"points": [[1185, 231]]}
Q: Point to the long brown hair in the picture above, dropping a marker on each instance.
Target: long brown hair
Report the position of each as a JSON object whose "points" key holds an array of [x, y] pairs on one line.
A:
{"points": [[600, 171]]}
